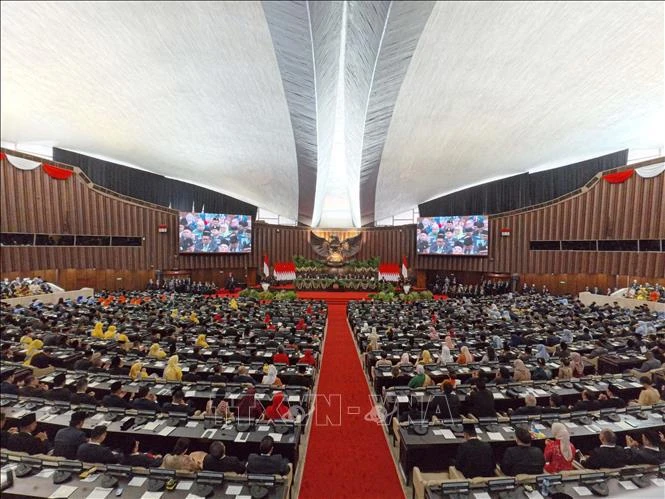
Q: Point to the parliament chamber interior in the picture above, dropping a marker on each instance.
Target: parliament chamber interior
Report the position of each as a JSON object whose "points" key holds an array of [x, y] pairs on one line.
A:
{"points": [[332, 249]]}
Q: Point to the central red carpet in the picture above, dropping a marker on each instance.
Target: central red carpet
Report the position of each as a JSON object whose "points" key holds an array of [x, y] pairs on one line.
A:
{"points": [[347, 454]]}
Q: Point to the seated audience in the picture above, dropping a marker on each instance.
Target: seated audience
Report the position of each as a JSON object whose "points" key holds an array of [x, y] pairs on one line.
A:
{"points": [[173, 371], [156, 352], [179, 459], [32, 387], [243, 376], [465, 356], [265, 463], [26, 440], [421, 378], [249, 407], [271, 377], [444, 358], [474, 457], [217, 460], [6, 435], [116, 397], [132, 456], [280, 357], [59, 391], [521, 372], [589, 402], [277, 409], [559, 453], [445, 406], [502, 376], [481, 401], [577, 365], [540, 373], [67, 440], [93, 451], [308, 358], [530, 406], [522, 459], [178, 404], [608, 455], [650, 363], [82, 395], [8, 385], [649, 395], [647, 453], [145, 400], [565, 371]]}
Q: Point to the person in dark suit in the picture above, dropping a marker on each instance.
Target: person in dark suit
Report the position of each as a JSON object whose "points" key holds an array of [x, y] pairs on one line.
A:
{"points": [[608, 455], [266, 463], [132, 456], [59, 391], [609, 399], [522, 458], [6, 435], [145, 400], [589, 402], [530, 407], [647, 453], [85, 363], [178, 404], [32, 387], [474, 458], [26, 441], [117, 397], [445, 407], [217, 460], [93, 451], [68, 440], [82, 395], [243, 376], [481, 401], [8, 385]]}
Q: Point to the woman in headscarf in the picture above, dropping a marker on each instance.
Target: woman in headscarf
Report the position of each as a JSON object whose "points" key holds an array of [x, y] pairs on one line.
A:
{"points": [[420, 379], [249, 407], [577, 365], [301, 325], [541, 352], [567, 336], [465, 356], [433, 333], [137, 371], [497, 342], [278, 410], [426, 358], [521, 372], [233, 304], [156, 352], [34, 348], [445, 357], [565, 371], [560, 452], [405, 360], [373, 341], [110, 333], [271, 377], [194, 318], [201, 341], [98, 331], [449, 342], [173, 371], [308, 358]]}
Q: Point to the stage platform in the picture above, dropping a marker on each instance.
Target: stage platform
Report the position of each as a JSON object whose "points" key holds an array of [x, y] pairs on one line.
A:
{"points": [[50, 297], [587, 298]]}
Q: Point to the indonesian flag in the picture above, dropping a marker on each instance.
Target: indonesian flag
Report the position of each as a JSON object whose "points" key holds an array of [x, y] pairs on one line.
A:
{"points": [[266, 267], [405, 271]]}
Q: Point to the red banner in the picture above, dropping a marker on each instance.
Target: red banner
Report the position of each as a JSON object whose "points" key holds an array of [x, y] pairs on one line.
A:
{"points": [[619, 177], [56, 172]]}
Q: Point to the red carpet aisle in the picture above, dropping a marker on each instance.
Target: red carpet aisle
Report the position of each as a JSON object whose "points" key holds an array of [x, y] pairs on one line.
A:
{"points": [[352, 459]]}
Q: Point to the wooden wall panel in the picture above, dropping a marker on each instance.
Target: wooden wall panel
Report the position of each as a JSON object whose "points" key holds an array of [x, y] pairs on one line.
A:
{"points": [[33, 202]]}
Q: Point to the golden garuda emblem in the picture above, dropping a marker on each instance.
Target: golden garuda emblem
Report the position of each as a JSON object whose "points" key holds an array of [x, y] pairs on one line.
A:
{"points": [[336, 252]]}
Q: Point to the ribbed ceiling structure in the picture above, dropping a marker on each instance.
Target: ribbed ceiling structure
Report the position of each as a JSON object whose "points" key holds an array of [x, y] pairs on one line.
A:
{"points": [[334, 113]]}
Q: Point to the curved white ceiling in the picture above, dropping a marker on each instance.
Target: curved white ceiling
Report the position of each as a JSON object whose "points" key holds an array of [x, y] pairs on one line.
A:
{"points": [[191, 90], [241, 97], [498, 88]]}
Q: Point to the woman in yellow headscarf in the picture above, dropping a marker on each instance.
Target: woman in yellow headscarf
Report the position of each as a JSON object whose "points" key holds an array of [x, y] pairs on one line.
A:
{"points": [[426, 358], [137, 371], [174, 313], [123, 341], [34, 348], [201, 341], [233, 304], [173, 371], [98, 332], [156, 352], [26, 339], [110, 333], [194, 318]]}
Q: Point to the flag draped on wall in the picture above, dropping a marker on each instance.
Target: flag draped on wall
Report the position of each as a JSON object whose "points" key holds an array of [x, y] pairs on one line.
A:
{"points": [[651, 170], [52, 171]]}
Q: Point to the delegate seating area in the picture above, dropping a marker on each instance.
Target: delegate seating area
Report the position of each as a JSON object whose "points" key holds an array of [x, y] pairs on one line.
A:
{"points": [[168, 371], [501, 363]]}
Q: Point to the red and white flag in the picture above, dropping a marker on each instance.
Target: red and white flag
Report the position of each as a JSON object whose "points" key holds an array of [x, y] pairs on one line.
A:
{"points": [[405, 270], [266, 267]]}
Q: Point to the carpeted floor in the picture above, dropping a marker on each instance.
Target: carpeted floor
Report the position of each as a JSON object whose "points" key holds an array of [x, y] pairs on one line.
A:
{"points": [[347, 454]]}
